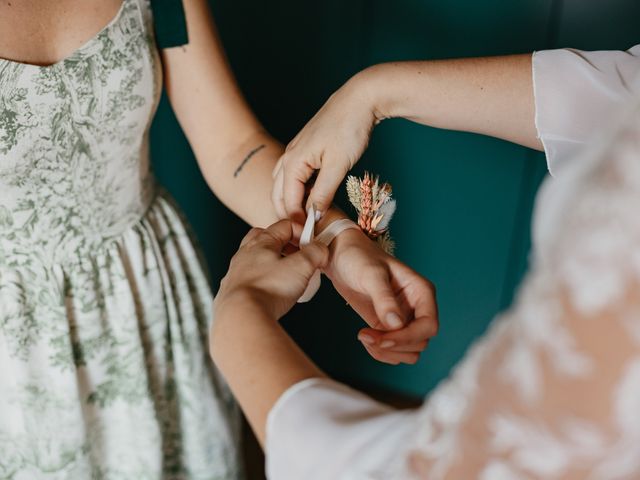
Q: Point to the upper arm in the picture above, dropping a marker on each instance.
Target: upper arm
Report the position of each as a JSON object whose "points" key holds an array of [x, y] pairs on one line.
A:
{"points": [[202, 89]]}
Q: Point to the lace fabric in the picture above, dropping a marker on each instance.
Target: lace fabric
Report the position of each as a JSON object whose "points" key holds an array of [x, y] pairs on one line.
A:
{"points": [[554, 390]]}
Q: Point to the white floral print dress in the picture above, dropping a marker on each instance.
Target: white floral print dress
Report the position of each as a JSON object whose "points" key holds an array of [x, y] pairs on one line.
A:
{"points": [[104, 305]]}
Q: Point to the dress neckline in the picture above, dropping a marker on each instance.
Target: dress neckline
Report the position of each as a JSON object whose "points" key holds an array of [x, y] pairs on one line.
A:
{"points": [[77, 51]]}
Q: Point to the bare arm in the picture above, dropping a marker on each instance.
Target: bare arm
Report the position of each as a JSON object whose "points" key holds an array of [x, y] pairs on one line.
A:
{"points": [[492, 96], [259, 361], [233, 150], [253, 352]]}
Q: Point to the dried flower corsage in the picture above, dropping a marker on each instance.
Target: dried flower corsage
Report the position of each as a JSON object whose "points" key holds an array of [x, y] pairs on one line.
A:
{"points": [[375, 208]]}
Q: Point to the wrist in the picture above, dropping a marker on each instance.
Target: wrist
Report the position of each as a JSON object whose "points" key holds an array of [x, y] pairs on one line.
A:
{"points": [[242, 303], [235, 317], [342, 243], [367, 92], [384, 87], [377, 91], [332, 215]]}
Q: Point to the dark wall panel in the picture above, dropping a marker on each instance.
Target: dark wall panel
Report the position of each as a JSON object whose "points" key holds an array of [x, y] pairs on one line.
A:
{"points": [[464, 200]]}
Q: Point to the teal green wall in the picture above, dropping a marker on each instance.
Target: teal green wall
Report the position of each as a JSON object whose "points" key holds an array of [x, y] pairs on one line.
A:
{"points": [[464, 200]]}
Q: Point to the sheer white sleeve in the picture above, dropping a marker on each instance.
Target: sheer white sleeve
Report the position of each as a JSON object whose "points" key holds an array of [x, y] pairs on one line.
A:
{"points": [[320, 429], [576, 94]]}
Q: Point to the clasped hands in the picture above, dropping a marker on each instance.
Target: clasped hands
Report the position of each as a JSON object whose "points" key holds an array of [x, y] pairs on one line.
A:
{"points": [[397, 303]]}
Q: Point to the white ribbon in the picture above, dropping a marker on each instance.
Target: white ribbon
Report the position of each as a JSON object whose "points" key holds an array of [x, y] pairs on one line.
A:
{"points": [[326, 236]]}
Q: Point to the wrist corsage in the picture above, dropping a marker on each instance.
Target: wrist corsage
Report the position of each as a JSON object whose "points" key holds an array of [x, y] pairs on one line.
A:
{"points": [[375, 208]]}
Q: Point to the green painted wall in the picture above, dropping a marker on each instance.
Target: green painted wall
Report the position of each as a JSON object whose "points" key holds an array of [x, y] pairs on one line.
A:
{"points": [[464, 200]]}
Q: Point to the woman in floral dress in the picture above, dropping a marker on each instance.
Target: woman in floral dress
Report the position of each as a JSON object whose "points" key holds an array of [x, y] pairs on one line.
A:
{"points": [[104, 305]]}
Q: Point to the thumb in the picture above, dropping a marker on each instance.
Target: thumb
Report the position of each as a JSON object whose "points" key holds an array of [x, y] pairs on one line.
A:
{"points": [[326, 185], [276, 236], [308, 259], [378, 287]]}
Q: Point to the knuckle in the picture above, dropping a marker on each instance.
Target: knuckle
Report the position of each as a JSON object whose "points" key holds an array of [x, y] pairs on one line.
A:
{"points": [[316, 251], [264, 233], [286, 156], [376, 324], [376, 354], [320, 195], [430, 286], [413, 359], [306, 261], [433, 328], [233, 263]]}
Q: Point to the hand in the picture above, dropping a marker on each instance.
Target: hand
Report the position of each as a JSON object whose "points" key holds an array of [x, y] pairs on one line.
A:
{"points": [[332, 142], [260, 276], [396, 302]]}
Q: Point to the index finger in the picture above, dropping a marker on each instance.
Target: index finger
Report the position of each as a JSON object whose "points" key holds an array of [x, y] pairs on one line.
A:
{"points": [[326, 185], [296, 173], [416, 331], [418, 294]]}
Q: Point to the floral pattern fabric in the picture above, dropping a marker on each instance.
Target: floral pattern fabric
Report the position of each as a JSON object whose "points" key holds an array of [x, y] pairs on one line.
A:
{"points": [[104, 305]]}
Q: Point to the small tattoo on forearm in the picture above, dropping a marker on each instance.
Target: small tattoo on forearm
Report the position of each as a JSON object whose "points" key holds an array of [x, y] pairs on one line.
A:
{"points": [[246, 159]]}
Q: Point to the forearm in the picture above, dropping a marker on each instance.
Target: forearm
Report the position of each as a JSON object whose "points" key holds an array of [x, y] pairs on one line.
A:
{"points": [[234, 153], [491, 96], [258, 359], [241, 177]]}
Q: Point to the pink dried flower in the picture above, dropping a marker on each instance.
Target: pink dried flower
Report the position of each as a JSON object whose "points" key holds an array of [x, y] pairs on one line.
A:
{"points": [[375, 207]]}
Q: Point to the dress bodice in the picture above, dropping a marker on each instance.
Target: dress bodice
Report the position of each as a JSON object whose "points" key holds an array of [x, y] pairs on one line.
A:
{"points": [[74, 162]]}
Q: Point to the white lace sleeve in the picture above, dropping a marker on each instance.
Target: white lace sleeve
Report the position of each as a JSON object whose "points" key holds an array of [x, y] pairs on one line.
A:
{"points": [[553, 391], [576, 94]]}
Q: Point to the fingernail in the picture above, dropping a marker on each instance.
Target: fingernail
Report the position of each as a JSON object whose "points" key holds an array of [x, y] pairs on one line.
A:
{"points": [[393, 320], [387, 344], [366, 339], [317, 214]]}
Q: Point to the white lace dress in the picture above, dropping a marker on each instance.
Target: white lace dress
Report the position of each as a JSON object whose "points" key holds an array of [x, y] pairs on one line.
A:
{"points": [[552, 391], [104, 305]]}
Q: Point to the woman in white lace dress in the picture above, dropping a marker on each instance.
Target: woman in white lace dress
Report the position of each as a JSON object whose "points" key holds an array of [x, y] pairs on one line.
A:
{"points": [[552, 391], [104, 305]]}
